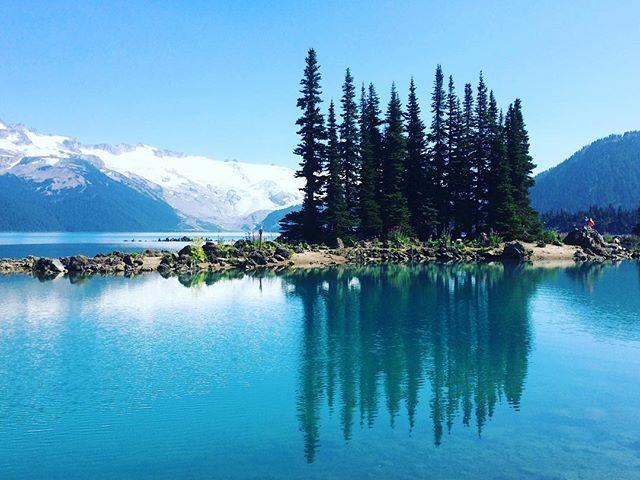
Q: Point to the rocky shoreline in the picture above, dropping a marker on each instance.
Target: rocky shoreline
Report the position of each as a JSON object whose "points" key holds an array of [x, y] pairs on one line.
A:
{"points": [[582, 245]]}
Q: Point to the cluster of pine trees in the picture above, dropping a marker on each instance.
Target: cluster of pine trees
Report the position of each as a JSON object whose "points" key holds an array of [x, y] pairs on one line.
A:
{"points": [[368, 176]]}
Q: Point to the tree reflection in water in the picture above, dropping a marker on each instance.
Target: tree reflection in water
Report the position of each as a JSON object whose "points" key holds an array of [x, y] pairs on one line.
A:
{"points": [[377, 336]]}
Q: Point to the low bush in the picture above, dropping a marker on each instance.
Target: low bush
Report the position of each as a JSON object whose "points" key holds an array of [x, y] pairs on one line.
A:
{"points": [[397, 239], [196, 252], [550, 236]]}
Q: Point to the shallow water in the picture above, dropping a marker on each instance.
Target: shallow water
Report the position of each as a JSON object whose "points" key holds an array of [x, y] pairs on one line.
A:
{"points": [[65, 244], [488, 372]]}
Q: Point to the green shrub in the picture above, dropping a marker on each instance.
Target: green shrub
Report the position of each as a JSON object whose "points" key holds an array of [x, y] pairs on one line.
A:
{"points": [[397, 239], [493, 240], [196, 252], [550, 236]]}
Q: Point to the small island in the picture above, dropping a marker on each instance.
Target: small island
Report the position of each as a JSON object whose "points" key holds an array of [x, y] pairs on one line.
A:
{"points": [[581, 245]]}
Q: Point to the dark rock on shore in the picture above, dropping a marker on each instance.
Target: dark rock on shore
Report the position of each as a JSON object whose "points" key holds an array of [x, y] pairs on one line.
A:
{"points": [[594, 246], [77, 264], [48, 267], [515, 251], [283, 252]]}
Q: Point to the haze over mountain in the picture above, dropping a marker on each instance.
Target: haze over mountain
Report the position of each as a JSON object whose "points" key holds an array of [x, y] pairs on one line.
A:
{"points": [[606, 172], [53, 182]]}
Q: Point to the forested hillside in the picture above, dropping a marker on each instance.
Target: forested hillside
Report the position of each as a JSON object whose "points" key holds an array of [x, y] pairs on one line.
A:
{"points": [[607, 172]]}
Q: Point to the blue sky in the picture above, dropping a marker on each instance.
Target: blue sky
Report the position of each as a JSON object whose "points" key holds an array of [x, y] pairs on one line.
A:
{"points": [[221, 78]]}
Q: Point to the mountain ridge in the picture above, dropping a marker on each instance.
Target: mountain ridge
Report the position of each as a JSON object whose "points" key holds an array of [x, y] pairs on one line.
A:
{"points": [[605, 172], [202, 192]]}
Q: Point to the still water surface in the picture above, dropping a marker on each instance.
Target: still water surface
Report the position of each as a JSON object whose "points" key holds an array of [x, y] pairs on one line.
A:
{"points": [[488, 372], [65, 244]]}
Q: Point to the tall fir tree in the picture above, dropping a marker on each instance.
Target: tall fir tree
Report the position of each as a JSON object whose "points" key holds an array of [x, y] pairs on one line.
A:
{"points": [[376, 123], [438, 151], [456, 165], [370, 219], [501, 208], [306, 224], [465, 214], [419, 176], [336, 216], [521, 172], [481, 156], [349, 148], [395, 212]]}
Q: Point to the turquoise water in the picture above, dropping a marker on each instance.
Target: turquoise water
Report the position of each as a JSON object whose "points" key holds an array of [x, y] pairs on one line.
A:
{"points": [[65, 244], [484, 372]]}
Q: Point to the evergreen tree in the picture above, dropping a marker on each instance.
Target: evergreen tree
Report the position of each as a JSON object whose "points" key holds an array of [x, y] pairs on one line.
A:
{"points": [[501, 209], [456, 165], [306, 224], [481, 156], [419, 176], [370, 224], [395, 213], [336, 216], [349, 148], [438, 151], [521, 172], [465, 214], [376, 122]]}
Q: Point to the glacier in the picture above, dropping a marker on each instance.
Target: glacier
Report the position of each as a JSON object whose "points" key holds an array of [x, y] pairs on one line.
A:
{"points": [[203, 191]]}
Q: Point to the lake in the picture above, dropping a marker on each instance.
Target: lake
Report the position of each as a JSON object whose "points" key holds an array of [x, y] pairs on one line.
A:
{"points": [[66, 244], [434, 371]]}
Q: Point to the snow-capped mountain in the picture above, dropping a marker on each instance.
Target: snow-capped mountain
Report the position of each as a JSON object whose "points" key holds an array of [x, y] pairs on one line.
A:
{"points": [[202, 191]]}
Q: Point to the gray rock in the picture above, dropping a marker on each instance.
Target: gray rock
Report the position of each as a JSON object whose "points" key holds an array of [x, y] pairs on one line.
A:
{"points": [[78, 264], [211, 250], [590, 241], [283, 252], [128, 260], [48, 266], [258, 258], [515, 251]]}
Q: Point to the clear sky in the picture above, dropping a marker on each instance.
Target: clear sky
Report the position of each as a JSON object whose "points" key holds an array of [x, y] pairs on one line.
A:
{"points": [[221, 78]]}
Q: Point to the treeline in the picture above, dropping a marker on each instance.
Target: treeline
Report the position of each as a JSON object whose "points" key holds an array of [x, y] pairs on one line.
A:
{"points": [[371, 177], [608, 220]]}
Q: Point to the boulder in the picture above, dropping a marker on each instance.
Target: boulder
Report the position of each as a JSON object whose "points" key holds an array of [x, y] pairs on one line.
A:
{"points": [[48, 267], [129, 260], [211, 250], [78, 264], [515, 251], [167, 261], [283, 252], [258, 258], [589, 240]]}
